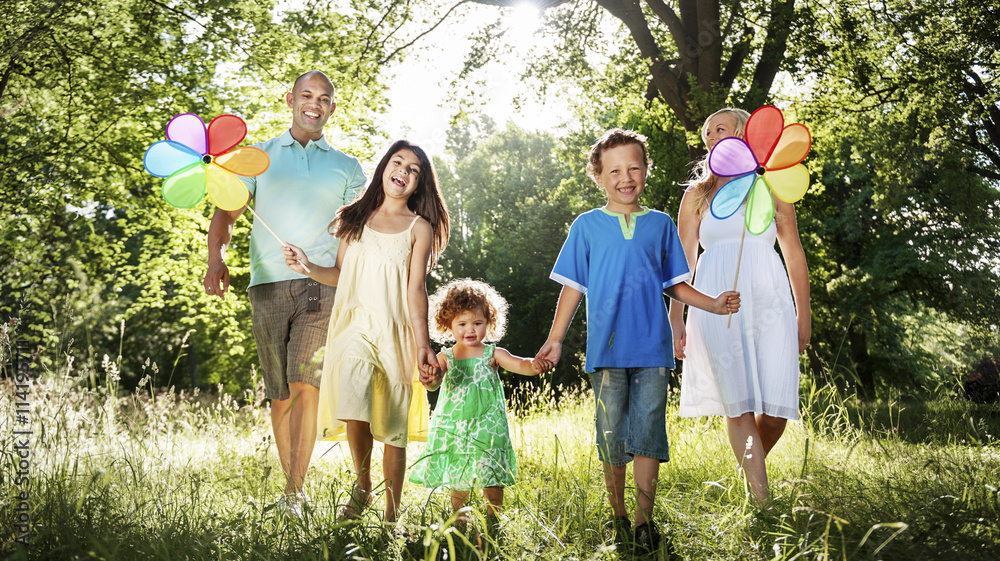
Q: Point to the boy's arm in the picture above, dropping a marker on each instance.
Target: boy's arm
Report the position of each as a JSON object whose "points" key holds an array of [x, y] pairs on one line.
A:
{"points": [[688, 222], [569, 300], [521, 365], [726, 303]]}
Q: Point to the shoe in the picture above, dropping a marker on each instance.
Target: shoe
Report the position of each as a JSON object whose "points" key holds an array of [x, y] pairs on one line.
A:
{"points": [[291, 505], [357, 502], [622, 528], [647, 538]]}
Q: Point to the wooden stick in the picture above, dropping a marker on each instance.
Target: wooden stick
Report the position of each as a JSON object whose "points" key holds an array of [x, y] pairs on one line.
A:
{"points": [[283, 244], [739, 259]]}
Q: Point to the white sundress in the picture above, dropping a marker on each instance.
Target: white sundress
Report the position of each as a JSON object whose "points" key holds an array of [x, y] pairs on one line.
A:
{"points": [[752, 366]]}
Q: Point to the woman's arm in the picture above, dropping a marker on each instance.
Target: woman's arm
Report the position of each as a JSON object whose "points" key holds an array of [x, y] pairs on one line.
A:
{"points": [[520, 365], [798, 270], [688, 223], [416, 291]]}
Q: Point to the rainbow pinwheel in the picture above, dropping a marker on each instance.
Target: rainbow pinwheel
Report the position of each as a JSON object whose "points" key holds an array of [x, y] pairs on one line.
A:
{"points": [[197, 159], [767, 161]]}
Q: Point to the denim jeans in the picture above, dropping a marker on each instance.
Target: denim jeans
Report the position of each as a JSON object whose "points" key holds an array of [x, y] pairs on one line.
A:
{"points": [[631, 413]]}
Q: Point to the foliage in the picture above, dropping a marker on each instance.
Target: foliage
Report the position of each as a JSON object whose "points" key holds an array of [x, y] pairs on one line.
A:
{"points": [[88, 242], [168, 475], [512, 200], [900, 221]]}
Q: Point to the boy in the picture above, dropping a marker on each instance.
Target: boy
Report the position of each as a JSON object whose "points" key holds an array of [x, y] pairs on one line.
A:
{"points": [[624, 258]]}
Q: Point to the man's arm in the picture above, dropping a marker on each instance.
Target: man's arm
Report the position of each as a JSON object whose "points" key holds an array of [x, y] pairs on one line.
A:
{"points": [[220, 233]]}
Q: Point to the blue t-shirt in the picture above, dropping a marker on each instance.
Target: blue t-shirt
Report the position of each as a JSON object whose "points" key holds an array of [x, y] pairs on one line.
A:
{"points": [[297, 197], [623, 270]]}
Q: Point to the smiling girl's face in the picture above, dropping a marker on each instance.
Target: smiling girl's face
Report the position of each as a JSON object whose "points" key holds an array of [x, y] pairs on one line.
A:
{"points": [[401, 174]]}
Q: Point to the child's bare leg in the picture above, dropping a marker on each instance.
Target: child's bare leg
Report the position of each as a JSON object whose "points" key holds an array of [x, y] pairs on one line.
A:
{"points": [[394, 470], [645, 471], [751, 458], [770, 429], [359, 438], [458, 500], [494, 500], [614, 480]]}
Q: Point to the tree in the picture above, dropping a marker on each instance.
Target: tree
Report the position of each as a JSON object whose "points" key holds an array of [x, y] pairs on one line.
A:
{"points": [[905, 213], [512, 199], [88, 243]]}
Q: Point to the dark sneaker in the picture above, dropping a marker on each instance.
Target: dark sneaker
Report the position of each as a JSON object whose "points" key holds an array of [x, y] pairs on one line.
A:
{"points": [[647, 538], [623, 530]]}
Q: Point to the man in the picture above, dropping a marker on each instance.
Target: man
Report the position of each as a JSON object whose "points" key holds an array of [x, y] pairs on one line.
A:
{"points": [[297, 196]]}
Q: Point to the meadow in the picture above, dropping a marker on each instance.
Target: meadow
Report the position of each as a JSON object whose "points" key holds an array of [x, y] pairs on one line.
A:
{"points": [[165, 474]]}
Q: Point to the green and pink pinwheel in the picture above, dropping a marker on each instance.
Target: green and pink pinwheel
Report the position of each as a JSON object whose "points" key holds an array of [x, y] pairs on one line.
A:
{"points": [[196, 159], [768, 161]]}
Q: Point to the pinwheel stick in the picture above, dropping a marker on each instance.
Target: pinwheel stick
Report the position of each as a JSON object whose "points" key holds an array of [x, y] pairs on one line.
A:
{"points": [[257, 217], [739, 259]]}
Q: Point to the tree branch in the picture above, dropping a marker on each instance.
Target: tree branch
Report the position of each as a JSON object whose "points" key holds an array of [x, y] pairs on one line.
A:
{"points": [[420, 36], [773, 53]]}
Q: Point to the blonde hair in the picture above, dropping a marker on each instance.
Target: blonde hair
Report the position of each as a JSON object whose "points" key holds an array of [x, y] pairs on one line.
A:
{"points": [[702, 179], [466, 295]]}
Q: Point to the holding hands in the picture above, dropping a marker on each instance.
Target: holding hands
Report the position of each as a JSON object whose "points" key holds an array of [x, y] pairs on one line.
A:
{"points": [[431, 375]]}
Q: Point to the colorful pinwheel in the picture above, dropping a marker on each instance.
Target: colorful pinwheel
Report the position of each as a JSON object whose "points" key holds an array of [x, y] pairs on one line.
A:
{"points": [[197, 159], [766, 162]]}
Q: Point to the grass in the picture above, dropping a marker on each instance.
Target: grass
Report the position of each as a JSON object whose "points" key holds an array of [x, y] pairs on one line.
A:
{"points": [[175, 475]]}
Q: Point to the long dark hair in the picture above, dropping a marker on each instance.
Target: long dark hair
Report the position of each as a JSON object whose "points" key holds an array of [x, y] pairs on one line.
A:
{"points": [[426, 201]]}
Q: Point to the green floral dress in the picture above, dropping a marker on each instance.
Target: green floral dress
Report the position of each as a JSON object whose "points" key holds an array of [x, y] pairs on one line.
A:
{"points": [[469, 442]]}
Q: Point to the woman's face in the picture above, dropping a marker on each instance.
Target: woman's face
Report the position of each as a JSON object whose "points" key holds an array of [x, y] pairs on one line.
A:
{"points": [[721, 126]]}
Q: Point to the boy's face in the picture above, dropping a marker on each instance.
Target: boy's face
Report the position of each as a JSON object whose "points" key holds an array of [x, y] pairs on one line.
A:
{"points": [[623, 177]]}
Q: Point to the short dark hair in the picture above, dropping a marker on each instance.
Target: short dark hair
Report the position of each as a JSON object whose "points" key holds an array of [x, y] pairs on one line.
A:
{"points": [[612, 139]]}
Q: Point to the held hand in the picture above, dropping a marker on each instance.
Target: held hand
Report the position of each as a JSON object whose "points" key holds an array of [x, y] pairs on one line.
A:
{"points": [[680, 341], [541, 365], [427, 361], [296, 259], [550, 351], [217, 279]]}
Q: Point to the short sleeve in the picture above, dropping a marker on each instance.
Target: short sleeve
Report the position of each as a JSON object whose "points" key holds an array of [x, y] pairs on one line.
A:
{"points": [[572, 267], [675, 264], [355, 184], [250, 183]]}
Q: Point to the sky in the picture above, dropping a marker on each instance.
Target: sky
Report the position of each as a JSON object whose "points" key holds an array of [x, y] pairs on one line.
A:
{"points": [[419, 92]]}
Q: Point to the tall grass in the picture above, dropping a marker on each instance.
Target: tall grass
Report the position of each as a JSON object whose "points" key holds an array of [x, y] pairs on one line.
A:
{"points": [[162, 474]]}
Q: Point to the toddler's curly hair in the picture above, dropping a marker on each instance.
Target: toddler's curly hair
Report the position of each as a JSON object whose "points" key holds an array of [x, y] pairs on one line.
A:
{"points": [[463, 295]]}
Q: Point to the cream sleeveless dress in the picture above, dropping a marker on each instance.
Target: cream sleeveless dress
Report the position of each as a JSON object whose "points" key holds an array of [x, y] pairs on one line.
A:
{"points": [[752, 366], [370, 367]]}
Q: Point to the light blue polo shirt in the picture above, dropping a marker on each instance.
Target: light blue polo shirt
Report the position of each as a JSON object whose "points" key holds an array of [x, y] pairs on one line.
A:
{"points": [[623, 270], [297, 197]]}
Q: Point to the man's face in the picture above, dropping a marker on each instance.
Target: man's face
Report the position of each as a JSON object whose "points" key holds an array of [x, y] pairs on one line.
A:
{"points": [[311, 102]]}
